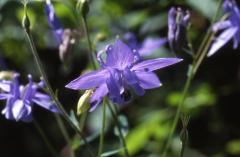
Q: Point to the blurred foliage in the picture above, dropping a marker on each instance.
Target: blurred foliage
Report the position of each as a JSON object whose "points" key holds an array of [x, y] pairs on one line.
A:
{"points": [[153, 125], [233, 147], [201, 97]]}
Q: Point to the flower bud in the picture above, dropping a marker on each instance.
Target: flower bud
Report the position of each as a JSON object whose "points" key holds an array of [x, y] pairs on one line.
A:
{"points": [[6, 75], [83, 103], [178, 21], [26, 22], [84, 7], [100, 37]]}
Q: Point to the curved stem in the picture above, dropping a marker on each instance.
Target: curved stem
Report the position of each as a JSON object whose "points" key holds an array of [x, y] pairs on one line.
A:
{"points": [[50, 90], [123, 142], [103, 129]]}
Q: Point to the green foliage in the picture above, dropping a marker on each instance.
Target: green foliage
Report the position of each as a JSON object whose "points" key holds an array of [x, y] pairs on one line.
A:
{"points": [[201, 97], [153, 125], [233, 147]]}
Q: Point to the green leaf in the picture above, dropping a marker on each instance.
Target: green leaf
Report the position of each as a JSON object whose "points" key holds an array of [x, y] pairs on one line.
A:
{"points": [[202, 96]]}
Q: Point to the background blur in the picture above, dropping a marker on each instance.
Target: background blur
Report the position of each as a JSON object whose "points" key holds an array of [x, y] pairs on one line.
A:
{"points": [[213, 103]]}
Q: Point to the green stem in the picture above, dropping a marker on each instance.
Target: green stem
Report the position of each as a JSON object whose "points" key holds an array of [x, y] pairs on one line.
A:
{"points": [[83, 120], [45, 139], [176, 118], [91, 53], [209, 31], [123, 142], [197, 60], [50, 90], [103, 129], [183, 149]]}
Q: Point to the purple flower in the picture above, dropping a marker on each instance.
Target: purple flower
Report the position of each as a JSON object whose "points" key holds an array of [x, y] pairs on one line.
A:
{"points": [[122, 71], [54, 22], [20, 99], [230, 27], [147, 47], [178, 20]]}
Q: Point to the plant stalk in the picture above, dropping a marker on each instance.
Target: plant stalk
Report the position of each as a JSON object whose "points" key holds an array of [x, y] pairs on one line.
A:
{"points": [[50, 90]]}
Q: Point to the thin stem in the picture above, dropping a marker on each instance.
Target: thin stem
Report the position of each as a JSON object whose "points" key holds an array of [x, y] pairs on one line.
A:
{"points": [[91, 53], [45, 139], [123, 142], [64, 133], [103, 129], [197, 60], [50, 90], [176, 118], [83, 120], [209, 31], [203, 54], [183, 148]]}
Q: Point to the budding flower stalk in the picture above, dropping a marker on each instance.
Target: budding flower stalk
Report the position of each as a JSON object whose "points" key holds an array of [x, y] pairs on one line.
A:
{"points": [[83, 103]]}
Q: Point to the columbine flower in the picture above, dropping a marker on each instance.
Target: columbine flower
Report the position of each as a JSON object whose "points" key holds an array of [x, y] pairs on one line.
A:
{"points": [[178, 20], [230, 27], [20, 99], [123, 70], [147, 47]]}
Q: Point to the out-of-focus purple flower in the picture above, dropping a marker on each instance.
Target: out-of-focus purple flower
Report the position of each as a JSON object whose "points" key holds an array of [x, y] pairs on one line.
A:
{"points": [[230, 27], [178, 20], [66, 38], [20, 99], [122, 71], [54, 22], [147, 47]]}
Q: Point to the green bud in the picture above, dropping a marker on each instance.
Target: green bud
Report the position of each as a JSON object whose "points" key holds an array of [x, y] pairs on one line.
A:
{"points": [[84, 7], [100, 36], [83, 103], [6, 75], [26, 22]]}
